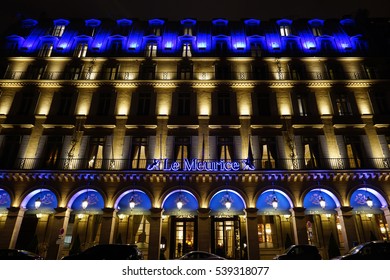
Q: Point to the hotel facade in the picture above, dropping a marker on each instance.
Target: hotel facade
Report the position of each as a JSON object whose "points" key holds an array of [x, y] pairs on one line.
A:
{"points": [[234, 137]]}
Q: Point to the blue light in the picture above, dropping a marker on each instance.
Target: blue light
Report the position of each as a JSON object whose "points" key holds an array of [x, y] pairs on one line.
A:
{"points": [[217, 203], [141, 200], [5, 199], [189, 201], [202, 39]]}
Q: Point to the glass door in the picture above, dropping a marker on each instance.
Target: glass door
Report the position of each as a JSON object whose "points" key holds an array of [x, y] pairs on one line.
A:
{"points": [[227, 237], [184, 236]]}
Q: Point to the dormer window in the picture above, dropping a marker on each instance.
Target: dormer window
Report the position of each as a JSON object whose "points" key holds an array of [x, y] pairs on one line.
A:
{"points": [[151, 50], [46, 50], [284, 27], [316, 26], [187, 31], [187, 50], [58, 30], [81, 50], [188, 25], [317, 31], [285, 30], [59, 27]]}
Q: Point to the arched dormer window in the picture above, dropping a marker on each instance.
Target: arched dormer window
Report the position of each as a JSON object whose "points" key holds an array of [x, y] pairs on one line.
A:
{"points": [[252, 27], [59, 27], [123, 26], [220, 26], [155, 26], [91, 25], [188, 25], [316, 26], [284, 27]]}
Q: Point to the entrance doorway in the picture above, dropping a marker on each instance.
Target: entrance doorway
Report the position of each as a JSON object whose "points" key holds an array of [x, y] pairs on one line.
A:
{"points": [[184, 237], [226, 237]]}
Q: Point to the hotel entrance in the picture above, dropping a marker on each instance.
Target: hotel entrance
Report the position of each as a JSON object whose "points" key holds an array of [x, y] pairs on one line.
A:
{"points": [[227, 238], [183, 236]]}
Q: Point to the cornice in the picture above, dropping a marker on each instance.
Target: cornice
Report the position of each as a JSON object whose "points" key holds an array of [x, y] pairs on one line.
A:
{"points": [[211, 177]]}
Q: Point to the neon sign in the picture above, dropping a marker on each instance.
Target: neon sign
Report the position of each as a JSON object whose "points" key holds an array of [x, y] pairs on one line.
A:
{"points": [[200, 165]]}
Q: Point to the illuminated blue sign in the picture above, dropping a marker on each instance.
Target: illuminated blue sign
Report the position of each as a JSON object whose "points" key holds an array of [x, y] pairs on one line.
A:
{"points": [[200, 165]]}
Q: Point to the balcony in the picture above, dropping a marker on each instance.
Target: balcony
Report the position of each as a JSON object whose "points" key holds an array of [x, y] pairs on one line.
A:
{"points": [[245, 165], [202, 76]]}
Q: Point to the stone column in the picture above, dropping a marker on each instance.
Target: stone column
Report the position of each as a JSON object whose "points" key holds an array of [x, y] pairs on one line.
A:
{"points": [[9, 235], [251, 234], [155, 234], [386, 212], [348, 226], [57, 231], [245, 133], [204, 229], [108, 226], [161, 137], [299, 225]]}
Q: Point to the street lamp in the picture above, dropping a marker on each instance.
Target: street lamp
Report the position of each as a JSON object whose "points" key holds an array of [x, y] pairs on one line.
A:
{"points": [[275, 203], [84, 203], [369, 202], [228, 203], [132, 203], [322, 202], [37, 203]]}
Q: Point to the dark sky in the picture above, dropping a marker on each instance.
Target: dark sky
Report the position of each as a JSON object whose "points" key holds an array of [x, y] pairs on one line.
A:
{"points": [[199, 9]]}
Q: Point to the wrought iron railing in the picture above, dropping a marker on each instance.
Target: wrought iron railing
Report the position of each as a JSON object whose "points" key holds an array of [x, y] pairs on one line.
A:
{"points": [[166, 75], [199, 165]]}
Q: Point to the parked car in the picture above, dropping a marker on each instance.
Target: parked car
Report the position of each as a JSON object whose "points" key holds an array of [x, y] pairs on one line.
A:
{"points": [[373, 250], [109, 252], [200, 255], [300, 252], [15, 254]]}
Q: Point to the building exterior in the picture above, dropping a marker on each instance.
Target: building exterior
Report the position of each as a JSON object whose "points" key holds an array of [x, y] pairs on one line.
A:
{"points": [[238, 138]]}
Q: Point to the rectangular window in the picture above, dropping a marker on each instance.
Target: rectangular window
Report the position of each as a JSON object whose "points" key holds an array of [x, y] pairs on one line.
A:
{"points": [[183, 104], [302, 104], [65, 103], [73, 72], [139, 153], [111, 73], [317, 31], [225, 148], [187, 31], [223, 103], [46, 50], [182, 149], [104, 103], [52, 151], [285, 30], [268, 153], [354, 152], [9, 151], [343, 105], [95, 153], [256, 49], [263, 104], [144, 100], [26, 104], [116, 47], [151, 50], [187, 50], [81, 50], [311, 152], [58, 30]]}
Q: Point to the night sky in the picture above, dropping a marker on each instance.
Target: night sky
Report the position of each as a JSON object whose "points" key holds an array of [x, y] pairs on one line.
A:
{"points": [[199, 9]]}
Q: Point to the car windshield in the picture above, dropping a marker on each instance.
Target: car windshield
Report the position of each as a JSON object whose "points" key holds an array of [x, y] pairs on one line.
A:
{"points": [[355, 249], [288, 249]]}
